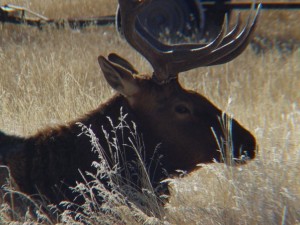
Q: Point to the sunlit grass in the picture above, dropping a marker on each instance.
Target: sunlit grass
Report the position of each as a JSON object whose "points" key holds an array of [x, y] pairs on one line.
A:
{"points": [[52, 76]]}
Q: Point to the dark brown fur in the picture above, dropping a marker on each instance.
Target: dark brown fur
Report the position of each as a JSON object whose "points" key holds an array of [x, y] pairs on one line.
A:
{"points": [[48, 161]]}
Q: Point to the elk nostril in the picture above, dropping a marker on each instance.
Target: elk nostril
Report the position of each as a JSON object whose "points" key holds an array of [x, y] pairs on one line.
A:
{"points": [[249, 147], [245, 147]]}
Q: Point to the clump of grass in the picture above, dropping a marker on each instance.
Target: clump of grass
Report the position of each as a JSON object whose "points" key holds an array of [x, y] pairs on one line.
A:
{"points": [[121, 190]]}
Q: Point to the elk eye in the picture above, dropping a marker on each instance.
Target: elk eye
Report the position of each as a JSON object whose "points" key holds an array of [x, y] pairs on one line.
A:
{"points": [[181, 109]]}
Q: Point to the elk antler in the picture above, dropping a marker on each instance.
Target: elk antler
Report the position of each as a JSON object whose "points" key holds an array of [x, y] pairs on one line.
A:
{"points": [[169, 60]]}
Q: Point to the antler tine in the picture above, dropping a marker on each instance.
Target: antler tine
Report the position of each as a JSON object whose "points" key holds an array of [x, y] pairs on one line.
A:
{"points": [[234, 32], [232, 55]]}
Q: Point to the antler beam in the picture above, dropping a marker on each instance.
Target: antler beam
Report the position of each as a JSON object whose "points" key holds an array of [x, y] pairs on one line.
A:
{"points": [[169, 60]]}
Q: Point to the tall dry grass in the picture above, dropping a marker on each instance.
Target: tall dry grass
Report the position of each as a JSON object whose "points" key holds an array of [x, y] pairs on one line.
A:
{"points": [[51, 76]]}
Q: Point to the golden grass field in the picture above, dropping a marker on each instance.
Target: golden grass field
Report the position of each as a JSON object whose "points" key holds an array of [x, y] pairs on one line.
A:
{"points": [[52, 76]]}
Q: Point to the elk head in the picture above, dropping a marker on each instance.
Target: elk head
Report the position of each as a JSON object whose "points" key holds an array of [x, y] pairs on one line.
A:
{"points": [[180, 119]]}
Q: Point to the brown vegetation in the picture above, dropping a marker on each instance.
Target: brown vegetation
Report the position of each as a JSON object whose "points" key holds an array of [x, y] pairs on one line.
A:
{"points": [[41, 72]]}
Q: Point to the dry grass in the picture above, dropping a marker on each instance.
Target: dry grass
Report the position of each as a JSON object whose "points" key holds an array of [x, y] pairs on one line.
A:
{"points": [[69, 8], [52, 77]]}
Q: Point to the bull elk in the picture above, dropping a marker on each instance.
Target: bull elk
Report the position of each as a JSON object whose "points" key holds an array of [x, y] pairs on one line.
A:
{"points": [[163, 111]]}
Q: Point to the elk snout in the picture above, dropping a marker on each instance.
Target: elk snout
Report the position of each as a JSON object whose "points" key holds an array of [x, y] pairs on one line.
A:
{"points": [[243, 141]]}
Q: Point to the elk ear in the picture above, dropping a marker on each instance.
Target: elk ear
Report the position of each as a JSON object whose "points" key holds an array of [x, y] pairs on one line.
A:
{"points": [[118, 77], [113, 57]]}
